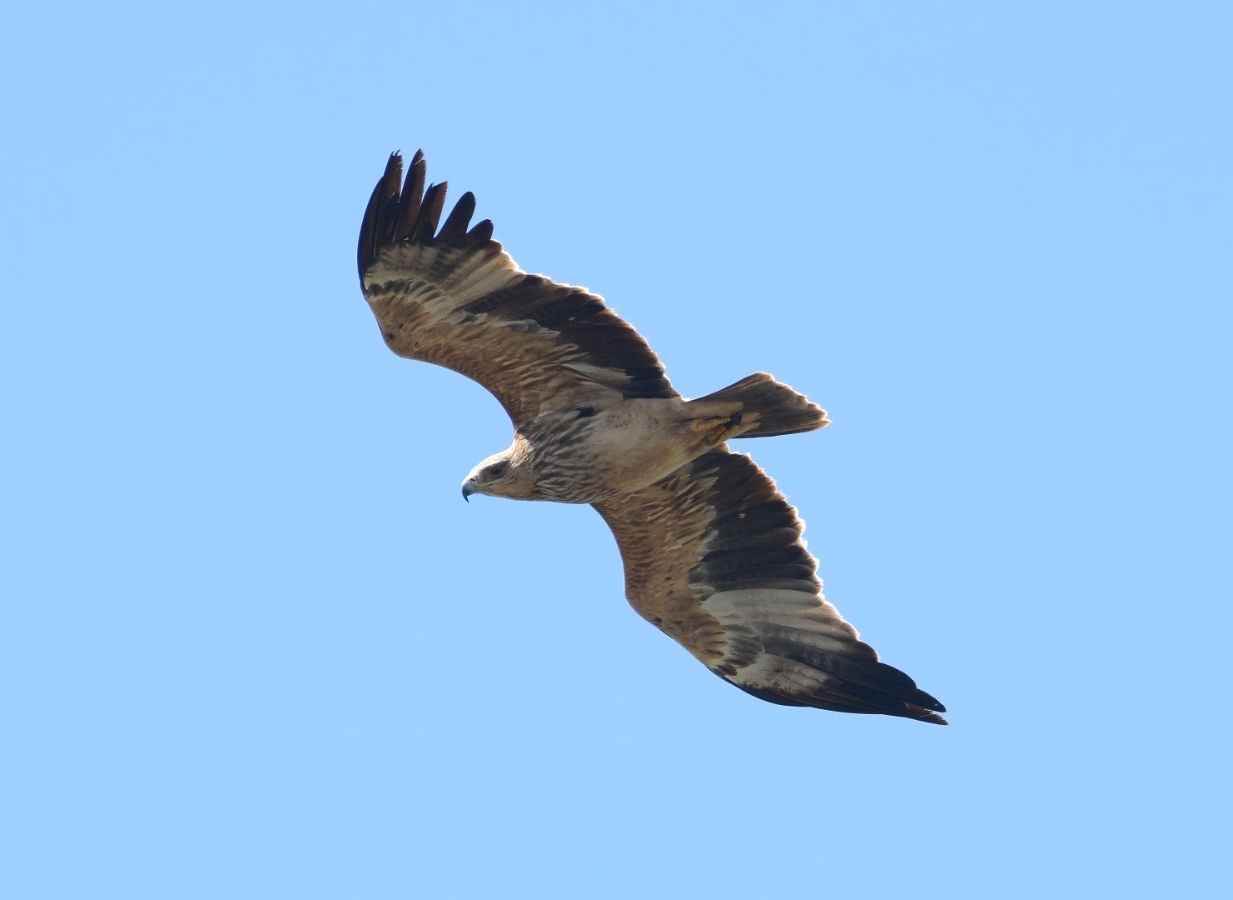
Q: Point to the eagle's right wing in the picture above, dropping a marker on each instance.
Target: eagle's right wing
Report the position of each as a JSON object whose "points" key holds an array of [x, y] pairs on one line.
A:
{"points": [[714, 557], [454, 297]]}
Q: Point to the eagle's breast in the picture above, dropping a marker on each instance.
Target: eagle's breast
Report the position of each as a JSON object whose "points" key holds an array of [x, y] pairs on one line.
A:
{"points": [[586, 455]]}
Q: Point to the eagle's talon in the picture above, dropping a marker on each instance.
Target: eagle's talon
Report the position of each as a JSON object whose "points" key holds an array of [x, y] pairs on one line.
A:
{"points": [[708, 425], [718, 428]]}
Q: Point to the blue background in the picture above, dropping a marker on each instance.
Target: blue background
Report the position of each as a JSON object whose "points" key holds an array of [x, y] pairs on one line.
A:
{"points": [[253, 644]]}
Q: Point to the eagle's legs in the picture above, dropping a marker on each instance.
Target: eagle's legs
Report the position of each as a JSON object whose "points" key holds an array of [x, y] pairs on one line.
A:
{"points": [[718, 429]]}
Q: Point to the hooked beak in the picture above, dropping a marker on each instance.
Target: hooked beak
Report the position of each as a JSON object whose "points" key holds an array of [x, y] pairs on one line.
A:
{"points": [[468, 488]]}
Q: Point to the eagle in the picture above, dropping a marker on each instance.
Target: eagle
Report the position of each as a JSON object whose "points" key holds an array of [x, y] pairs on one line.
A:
{"points": [[712, 551]]}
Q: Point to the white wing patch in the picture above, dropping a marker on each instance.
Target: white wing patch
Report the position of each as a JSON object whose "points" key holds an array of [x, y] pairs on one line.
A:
{"points": [[466, 277], [810, 620]]}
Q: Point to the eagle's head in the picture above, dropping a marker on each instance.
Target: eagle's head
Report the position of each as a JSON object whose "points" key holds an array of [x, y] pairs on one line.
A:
{"points": [[505, 474]]}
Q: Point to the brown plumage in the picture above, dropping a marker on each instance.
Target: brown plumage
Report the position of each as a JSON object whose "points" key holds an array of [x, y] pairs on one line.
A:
{"points": [[713, 553]]}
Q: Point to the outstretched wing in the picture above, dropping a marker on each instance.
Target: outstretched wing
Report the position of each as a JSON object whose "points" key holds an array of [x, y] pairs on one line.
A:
{"points": [[452, 296], [714, 557]]}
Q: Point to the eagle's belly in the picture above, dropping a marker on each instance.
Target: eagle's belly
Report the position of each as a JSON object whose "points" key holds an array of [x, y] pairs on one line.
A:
{"points": [[623, 448]]}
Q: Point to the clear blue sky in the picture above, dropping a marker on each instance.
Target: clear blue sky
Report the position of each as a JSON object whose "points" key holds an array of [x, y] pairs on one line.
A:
{"points": [[252, 642]]}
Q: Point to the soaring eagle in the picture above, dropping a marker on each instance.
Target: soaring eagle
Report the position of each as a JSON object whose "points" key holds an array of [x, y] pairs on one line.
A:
{"points": [[713, 553]]}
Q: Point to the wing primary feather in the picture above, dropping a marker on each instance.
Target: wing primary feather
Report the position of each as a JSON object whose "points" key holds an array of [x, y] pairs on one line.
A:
{"points": [[380, 214], [479, 235], [412, 192], [430, 212], [454, 232]]}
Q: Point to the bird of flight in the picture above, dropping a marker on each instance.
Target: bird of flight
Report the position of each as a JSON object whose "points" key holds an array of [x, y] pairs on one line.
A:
{"points": [[713, 553]]}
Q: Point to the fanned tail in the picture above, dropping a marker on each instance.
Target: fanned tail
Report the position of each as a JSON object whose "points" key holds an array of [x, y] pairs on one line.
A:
{"points": [[775, 407]]}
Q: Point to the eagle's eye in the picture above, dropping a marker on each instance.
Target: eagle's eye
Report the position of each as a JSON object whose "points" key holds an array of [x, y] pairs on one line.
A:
{"points": [[496, 470]]}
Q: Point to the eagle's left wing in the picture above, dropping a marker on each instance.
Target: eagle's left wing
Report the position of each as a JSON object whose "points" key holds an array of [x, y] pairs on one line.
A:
{"points": [[451, 295], [714, 557]]}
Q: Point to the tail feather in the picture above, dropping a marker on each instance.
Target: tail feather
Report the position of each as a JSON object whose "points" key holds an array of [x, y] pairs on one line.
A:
{"points": [[777, 408]]}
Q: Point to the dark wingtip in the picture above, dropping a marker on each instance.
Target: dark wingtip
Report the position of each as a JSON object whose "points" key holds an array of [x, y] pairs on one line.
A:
{"points": [[430, 212], [380, 214], [480, 234], [924, 707], [412, 193], [923, 715], [406, 211], [919, 705], [454, 231]]}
